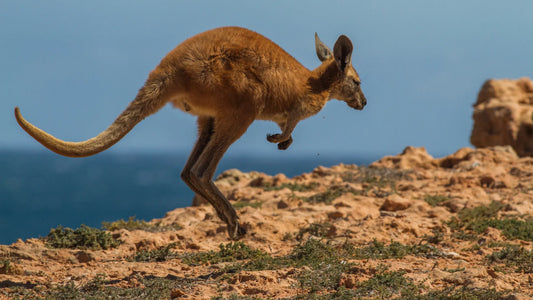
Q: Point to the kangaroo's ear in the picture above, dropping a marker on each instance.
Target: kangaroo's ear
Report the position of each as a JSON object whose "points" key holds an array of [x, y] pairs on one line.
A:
{"points": [[343, 52], [322, 51]]}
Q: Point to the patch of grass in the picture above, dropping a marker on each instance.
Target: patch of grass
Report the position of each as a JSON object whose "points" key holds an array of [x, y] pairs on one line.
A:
{"points": [[435, 200], [454, 270], [322, 264], [331, 194], [383, 285], [326, 263], [474, 248], [84, 237], [149, 287], [497, 244], [162, 254], [266, 262], [228, 253], [514, 256], [513, 228], [241, 204], [436, 237], [381, 181], [461, 293], [314, 253], [465, 236], [326, 197], [134, 224], [288, 236], [378, 250], [386, 284], [475, 218], [380, 176], [234, 296], [320, 230], [295, 187], [5, 266], [325, 277], [478, 219]]}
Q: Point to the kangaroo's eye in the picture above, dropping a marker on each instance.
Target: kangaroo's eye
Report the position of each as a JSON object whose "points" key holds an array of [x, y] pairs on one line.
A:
{"points": [[356, 82]]}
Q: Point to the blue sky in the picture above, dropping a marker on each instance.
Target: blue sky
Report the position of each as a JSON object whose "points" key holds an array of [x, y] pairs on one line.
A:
{"points": [[73, 66]]}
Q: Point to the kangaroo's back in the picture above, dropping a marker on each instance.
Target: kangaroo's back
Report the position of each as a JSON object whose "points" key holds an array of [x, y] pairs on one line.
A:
{"points": [[236, 62]]}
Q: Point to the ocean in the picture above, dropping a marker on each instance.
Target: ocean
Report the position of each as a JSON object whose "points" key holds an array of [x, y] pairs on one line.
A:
{"points": [[41, 190]]}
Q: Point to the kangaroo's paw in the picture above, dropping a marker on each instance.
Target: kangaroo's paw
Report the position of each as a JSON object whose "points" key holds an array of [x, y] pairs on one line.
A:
{"points": [[285, 144], [275, 138], [236, 232]]}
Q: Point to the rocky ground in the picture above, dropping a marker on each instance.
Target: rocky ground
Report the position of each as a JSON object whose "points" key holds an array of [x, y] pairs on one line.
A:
{"points": [[406, 226]]}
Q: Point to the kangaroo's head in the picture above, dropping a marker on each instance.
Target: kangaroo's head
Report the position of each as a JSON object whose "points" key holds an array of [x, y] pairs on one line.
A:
{"points": [[343, 81]]}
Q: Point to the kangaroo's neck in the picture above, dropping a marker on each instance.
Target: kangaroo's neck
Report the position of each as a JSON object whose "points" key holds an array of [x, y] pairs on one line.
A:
{"points": [[319, 85], [323, 78]]}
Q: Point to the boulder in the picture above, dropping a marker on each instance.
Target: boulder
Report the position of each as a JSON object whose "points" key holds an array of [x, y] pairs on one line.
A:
{"points": [[503, 115]]}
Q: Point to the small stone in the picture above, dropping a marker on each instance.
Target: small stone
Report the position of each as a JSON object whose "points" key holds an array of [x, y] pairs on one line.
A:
{"points": [[453, 205], [332, 231], [341, 204], [253, 291], [492, 273], [192, 246], [177, 293], [452, 254], [348, 281], [395, 203], [335, 215], [279, 179], [84, 256], [282, 204]]}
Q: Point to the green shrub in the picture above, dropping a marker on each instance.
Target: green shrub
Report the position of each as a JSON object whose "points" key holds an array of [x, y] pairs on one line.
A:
{"points": [[228, 253], [378, 250], [134, 224], [514, 256], [386, 284], [84, 237], [461, 293], [161, 254], [478, 219], [331, 194], [149, 287], [320, 230], [326, 197], [241, 204], [435, 200], [295, 187]]}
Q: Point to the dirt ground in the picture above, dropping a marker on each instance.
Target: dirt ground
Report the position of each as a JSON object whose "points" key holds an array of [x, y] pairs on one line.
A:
{"points": [[429, 206]]}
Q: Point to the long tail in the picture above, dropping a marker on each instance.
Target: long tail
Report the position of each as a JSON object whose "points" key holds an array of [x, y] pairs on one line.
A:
{"points": [[148, 101]]}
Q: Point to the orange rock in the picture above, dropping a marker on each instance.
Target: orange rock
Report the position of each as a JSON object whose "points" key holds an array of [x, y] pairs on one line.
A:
{"points": [[395, 203], [410, 158], [503, 115]]}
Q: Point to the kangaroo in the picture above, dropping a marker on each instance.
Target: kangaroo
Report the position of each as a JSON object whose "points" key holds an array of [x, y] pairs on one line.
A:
{"points": [[228, 77]]}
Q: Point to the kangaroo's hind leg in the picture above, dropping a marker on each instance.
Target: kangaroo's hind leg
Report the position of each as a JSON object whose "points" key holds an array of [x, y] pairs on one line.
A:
{"points": [[205, 130], [201, 166]]}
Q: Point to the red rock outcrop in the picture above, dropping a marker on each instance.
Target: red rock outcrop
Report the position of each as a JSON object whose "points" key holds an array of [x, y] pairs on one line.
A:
{"points": [[503, 115]]}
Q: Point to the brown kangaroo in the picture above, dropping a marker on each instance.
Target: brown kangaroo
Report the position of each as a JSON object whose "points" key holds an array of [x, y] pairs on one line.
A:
{"points": [[228, 77]]}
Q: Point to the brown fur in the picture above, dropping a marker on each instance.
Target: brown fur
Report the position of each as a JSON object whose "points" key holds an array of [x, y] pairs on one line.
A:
{"points": [[228, 77]]}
